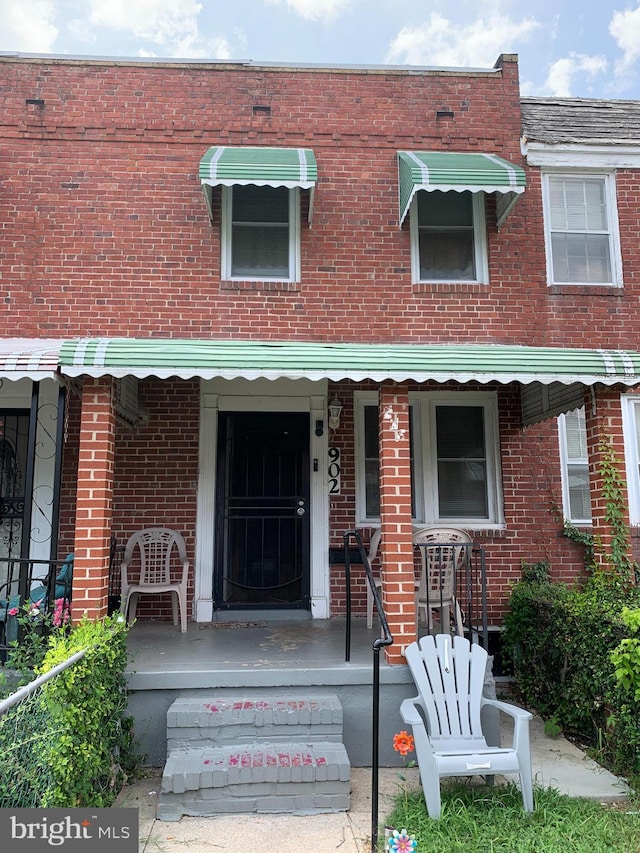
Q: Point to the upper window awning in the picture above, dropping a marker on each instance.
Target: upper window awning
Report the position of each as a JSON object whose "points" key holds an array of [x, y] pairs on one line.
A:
{"points": [[450, 172], [232, 359], [29, 358], [263, 167]]}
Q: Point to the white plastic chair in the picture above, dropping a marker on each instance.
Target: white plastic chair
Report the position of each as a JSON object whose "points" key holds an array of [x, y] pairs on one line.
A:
{"points": [[445, 718], [155, 547], [442, 562]]}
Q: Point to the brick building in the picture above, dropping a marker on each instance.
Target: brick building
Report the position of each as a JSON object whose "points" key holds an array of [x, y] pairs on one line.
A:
{"points": [[197, 259]]}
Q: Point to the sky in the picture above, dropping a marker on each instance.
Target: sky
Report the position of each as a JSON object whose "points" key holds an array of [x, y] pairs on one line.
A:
{"points": [[566, 48]]}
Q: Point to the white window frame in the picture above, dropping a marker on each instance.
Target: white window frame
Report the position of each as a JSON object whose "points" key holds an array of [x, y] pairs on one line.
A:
{"points": [[615, 255], [630, 424], [479, 243], [425, 458], [565, 464], [294, 239]]}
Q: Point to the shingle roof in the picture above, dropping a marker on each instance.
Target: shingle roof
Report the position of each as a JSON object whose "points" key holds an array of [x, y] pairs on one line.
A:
{"points": [[581, 120]]}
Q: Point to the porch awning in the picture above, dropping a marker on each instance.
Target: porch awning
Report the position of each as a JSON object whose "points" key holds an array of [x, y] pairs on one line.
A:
{"points": [[29, 358], [263, 167], [231, 359], [451, 172]]}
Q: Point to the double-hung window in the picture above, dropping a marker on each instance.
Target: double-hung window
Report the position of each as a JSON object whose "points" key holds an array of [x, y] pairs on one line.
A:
{"points": [[581, 229], [448, 237], [574, 462], [261, 233], [454, 459]]}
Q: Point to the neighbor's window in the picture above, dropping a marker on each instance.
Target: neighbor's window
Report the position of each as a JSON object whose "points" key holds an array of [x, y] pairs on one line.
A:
{"points": [[454, 458], [260, 234], [576, 495], [581, 229], [448, 237]]}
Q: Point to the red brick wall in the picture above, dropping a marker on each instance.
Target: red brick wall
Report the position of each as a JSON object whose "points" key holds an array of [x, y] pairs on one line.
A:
{"points": [[157, 472]]}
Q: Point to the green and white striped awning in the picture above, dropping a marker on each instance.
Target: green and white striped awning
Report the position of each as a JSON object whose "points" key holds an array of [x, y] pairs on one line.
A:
{"points": [[450, 172], [232, 359], [263, 167], [29, 358]]}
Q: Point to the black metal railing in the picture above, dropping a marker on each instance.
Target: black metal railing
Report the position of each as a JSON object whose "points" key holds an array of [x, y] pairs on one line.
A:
{"points": [[46, 584], [385, 640]]}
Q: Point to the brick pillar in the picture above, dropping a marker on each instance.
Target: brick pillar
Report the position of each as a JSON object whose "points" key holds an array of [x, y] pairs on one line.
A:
{"points": [[603, 417], [398, 577], [94, 500]]}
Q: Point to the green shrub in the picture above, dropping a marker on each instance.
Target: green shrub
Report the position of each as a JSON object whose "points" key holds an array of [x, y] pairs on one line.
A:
{"points": [[91, 751], [561, 640]]}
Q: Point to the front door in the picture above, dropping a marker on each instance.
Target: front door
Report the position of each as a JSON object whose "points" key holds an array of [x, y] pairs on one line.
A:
{"points": [[262, 525]]}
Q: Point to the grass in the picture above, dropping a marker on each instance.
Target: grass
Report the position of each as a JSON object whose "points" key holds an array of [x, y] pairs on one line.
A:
{"points": [[490, 819]]}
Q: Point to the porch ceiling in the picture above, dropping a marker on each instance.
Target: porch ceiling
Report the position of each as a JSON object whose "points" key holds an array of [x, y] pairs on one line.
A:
{"points": [[29, 358], [231, 359]]}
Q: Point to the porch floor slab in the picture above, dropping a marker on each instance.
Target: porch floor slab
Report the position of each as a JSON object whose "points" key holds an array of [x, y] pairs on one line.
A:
{"points": [[257, 651]]}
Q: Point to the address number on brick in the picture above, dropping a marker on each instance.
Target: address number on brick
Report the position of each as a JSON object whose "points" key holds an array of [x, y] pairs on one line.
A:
{"points": [[334, 471]]}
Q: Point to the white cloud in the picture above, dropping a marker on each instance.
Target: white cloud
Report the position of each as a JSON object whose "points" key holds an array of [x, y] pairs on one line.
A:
{"points": [[315, 10], [158, 21], [169, 25], [27, 27], [562, 73], [442, 42], [625, 29]]}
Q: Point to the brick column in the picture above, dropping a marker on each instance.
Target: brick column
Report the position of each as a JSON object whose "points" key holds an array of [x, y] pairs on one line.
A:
{"points": [[94, 500], [603, 417], [398, 577]]}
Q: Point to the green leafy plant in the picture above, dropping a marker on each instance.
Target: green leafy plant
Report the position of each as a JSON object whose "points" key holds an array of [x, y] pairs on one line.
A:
{"points": [[92, 752], [585, 539], [35, 625], [552, 727], [616, 555], [626, 656]]}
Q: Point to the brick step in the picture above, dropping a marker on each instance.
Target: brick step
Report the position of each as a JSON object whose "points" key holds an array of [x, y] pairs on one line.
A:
{"points": [[218, 720], [294, 778]]}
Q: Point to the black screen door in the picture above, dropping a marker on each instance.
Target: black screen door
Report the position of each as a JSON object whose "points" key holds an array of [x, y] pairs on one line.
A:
{"points": [[262, 529]]}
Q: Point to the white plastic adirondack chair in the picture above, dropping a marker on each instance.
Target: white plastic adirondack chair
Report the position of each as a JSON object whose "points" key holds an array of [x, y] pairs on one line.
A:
{"points": [[445, 718]]}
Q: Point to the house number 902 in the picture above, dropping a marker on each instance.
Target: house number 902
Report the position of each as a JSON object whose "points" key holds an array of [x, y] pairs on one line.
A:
{"points": [[334, 471]]}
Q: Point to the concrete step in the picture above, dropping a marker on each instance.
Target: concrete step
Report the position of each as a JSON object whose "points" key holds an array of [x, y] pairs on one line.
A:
{"points": [[293, 778], [218, 720]]}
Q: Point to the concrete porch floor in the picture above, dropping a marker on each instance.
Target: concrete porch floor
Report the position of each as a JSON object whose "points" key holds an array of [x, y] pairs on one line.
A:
{"points": [[261, 645]]}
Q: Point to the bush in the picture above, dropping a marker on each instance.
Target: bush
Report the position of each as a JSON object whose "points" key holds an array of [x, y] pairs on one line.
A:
{"points": [[91, 753], [561, 640]]}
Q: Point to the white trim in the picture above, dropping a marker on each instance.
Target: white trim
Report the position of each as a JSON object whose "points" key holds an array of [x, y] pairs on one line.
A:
{"points": [[205, 543], [581, 156], [630, 404]]}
